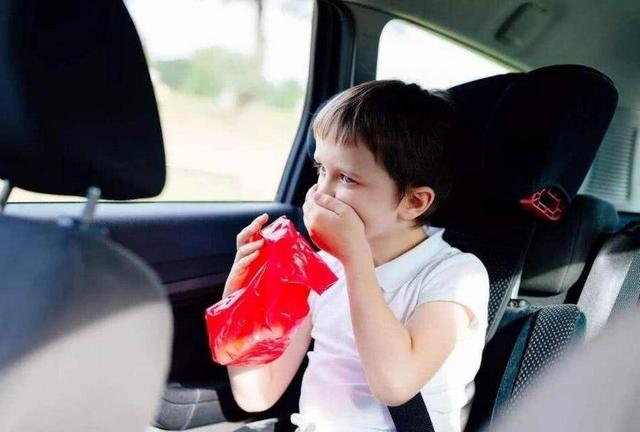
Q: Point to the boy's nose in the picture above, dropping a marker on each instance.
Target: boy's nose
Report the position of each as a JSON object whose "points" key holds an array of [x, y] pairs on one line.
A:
{"points": [[326, 186]]}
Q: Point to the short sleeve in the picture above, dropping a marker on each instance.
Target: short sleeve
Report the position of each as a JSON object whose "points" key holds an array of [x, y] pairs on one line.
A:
{"points": [[459, 278]]}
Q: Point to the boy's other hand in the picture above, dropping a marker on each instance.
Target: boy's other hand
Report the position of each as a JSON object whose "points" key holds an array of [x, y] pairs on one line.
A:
{"points": [[333, 225], [248, 246]]}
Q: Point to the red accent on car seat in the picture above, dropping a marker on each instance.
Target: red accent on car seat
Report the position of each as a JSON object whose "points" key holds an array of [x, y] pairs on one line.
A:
{"points": [[548, 204]]}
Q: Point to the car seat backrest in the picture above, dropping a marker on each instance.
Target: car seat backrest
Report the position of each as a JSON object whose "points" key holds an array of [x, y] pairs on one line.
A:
{"points": [[528, 341], [560, 253], [595, 388], [515, 167], [86, 326], [613, 283], [514, 171], [86, 332], [532, 136]]}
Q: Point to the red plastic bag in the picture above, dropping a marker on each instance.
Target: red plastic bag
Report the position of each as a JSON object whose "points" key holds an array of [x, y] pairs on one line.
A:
{"points": [[254, 325]]}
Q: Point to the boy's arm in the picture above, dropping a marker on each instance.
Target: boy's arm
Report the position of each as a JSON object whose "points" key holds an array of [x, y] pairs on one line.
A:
{"points": [[398, 361], [258, 388]]}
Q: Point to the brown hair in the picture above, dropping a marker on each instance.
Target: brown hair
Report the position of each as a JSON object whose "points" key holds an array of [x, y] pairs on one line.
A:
{"points": [[407, 128]]}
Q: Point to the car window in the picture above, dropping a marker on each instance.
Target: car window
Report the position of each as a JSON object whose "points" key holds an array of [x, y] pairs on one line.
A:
{"points": [[615, 174], [414, 54], [230, 79]]}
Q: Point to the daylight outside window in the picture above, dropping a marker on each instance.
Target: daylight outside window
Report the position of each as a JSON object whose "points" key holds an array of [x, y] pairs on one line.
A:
{"points": [[230, 78], [415, 55]]}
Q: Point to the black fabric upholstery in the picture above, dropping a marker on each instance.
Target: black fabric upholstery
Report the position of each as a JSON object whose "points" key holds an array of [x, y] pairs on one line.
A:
{"points": [[507, 345], [502, 251], [560, 251], [504, 156], [522, 132], [547, 128], [471, 200], [555, 329], [77, 106], [528, 341], [595, 388]]}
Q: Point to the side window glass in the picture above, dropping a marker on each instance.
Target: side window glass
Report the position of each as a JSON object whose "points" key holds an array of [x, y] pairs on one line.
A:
{"points": [[230, 78], [414, 54]]}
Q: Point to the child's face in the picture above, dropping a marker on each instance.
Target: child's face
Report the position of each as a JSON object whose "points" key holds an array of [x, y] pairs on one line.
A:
{"points": [[351, 174]]}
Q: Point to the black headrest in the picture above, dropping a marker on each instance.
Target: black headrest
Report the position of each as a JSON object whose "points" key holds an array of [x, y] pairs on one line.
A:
{"points": [[558, 252], [528, 138], [77, 107], [526, 133]]}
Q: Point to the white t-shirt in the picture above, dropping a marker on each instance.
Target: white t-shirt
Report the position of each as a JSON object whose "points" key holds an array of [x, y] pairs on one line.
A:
{"points": [[335, 394]]}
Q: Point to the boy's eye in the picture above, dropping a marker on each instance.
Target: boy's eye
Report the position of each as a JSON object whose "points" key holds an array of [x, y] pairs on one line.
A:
{"points": [[346, 179]]}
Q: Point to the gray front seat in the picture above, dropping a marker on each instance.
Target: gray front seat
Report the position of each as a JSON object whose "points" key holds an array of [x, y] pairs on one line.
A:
{"points": [[85, 326], [596, 388]]}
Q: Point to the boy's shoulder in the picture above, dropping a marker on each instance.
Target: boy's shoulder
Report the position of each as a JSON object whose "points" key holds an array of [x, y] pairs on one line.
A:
{"points": [[450, 267], [451, 256], [458, 276], [458, 262], [435, 257]]}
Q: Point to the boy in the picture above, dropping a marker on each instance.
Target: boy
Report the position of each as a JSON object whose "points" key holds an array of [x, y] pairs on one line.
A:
{"points": [[409, 312]]}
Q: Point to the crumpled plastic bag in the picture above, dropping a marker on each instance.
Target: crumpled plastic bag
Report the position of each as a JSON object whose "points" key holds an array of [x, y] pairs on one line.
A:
{"points": [[254, 324]]}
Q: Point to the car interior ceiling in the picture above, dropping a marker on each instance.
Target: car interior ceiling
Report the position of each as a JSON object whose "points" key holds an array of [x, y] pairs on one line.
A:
{"points": [[554, 283]]}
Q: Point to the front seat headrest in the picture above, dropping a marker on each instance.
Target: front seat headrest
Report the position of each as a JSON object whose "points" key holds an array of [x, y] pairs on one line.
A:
{"points": [[86, 332], [77, 106]]}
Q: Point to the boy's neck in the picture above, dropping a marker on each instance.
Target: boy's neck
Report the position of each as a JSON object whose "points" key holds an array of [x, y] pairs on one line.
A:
{"points": [[384, 249]]}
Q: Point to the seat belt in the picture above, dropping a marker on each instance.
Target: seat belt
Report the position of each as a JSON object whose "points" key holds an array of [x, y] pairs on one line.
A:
{"points": [[412, 416]]}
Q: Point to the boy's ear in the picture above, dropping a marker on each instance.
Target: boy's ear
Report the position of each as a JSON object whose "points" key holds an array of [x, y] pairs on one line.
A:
{"points": [[415, 202]]}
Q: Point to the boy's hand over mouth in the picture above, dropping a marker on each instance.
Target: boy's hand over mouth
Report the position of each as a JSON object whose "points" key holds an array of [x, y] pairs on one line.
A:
{"points": [[333, 225]]}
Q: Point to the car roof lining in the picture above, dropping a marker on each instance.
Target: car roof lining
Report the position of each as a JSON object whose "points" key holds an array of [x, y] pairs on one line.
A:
{"points": [[608, 29]]}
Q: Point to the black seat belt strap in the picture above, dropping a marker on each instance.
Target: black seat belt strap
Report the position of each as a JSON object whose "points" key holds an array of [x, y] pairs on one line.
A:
{"points": [[412, 416]]}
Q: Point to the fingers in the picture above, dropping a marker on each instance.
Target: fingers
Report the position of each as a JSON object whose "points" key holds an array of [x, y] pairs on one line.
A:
{"points": [[306, 208], [245, 235], [247, 253], [249, 248], [306, 219], [330, 203], [309, 213], [310, 192], [242, 264], [238, 272], [312, 209]]}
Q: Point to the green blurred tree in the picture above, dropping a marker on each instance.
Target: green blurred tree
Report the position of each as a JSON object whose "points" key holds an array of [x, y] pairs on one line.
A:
{"points": [[210, 71], [283, 95]]}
